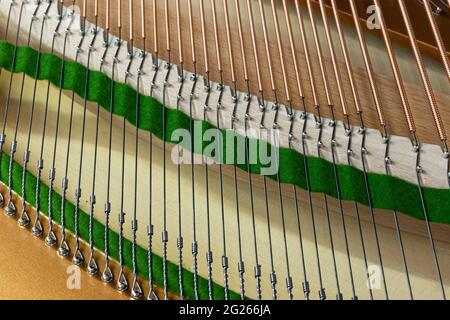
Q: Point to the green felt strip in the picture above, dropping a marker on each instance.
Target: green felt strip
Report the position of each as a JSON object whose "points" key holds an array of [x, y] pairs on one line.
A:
{"points": [[387, 192]]}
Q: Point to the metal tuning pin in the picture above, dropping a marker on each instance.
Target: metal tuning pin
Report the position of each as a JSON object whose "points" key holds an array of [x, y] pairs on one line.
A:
{"points": [[122, 283], [107, 275], [77, 258], [136, 290], [10, 208]]}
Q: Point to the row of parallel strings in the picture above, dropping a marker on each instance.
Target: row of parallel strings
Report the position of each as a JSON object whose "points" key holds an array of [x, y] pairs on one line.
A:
{"points": [[232, 14]]}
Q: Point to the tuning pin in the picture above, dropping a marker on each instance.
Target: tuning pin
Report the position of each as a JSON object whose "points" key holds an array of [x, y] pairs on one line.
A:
{"points": [[77, 258], [2, 200], [348, 131], [361, 130], [122, 283], [64, 249], [10, 209], [50, 239], [306, 289], [322, 295], [24, 219], [107, 275], [92, 267], [152, 295], [136, 291], [349, 152], [37, 227]]}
